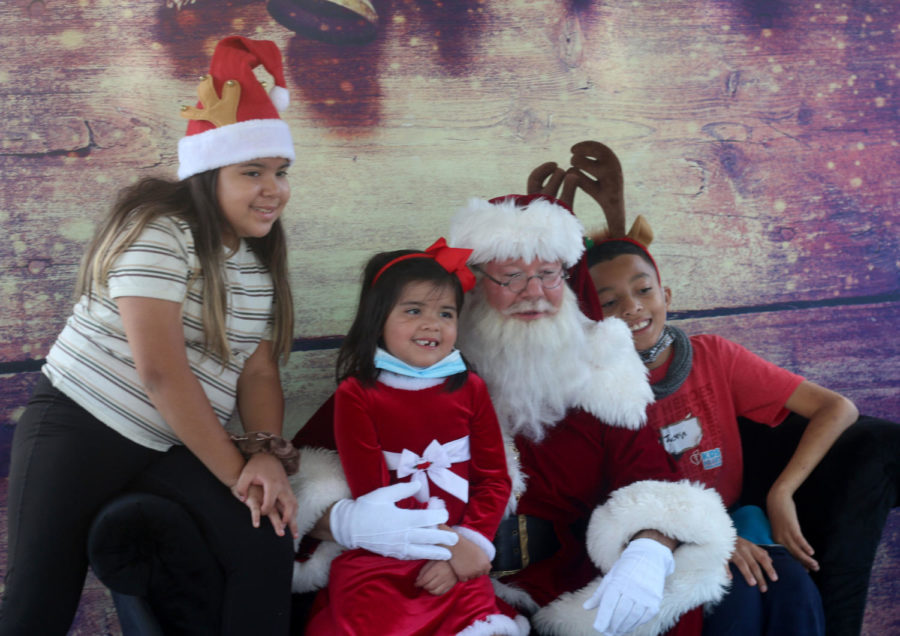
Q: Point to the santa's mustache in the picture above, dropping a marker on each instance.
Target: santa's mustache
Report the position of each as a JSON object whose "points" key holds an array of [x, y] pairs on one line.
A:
{"points": [[525, 306]]}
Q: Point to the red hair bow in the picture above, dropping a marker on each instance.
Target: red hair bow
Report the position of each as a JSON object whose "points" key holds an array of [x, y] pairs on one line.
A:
{"points": [[452, 259]]}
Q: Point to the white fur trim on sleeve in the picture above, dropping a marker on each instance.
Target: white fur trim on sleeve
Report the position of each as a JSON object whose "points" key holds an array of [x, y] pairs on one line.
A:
{"points": [[619, 391], [317, 485], [478, 539], [497, 624], [515, 596], [516, 475], [689, 513]]}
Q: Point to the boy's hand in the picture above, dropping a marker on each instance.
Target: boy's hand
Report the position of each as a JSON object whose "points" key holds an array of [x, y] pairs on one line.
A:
{"points": [[782, 513], [753, 561], [436, 577], [468, 560]]}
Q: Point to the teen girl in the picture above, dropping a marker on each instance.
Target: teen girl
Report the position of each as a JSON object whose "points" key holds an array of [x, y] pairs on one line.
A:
{"points": [[702, 384], [408, 409], [183, 310]]}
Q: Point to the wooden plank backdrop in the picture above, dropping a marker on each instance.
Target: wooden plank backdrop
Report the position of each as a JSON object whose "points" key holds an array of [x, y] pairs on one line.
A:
{"points": [[758, 137]]}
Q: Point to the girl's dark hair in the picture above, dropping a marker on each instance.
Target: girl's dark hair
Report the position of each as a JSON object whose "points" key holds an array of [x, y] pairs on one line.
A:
{"points": [[356, 357], [194, 201], [606, 250]]}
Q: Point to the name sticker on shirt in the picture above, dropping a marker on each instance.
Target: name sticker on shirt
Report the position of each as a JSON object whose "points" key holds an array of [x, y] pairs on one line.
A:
{"points": [[711, 458], [681, 436]]}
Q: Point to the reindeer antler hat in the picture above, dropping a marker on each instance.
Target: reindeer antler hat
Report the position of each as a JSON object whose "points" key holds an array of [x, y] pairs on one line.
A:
{"points": [[236, 119], [595, 169]]}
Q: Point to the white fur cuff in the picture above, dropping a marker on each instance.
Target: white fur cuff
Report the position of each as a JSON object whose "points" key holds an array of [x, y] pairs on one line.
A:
{"points": [[689, 513], [478, 539], [317, 485]]}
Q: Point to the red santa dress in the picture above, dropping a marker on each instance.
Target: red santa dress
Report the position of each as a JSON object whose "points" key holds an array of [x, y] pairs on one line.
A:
{"points": [[450, 442]]}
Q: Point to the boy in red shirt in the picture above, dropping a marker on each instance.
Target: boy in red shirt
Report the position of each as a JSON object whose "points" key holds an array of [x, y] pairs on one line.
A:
{"points": [[702, 384]]}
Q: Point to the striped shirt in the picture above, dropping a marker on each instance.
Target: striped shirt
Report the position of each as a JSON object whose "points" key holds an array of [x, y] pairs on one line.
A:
{"points": [[91, 361]]}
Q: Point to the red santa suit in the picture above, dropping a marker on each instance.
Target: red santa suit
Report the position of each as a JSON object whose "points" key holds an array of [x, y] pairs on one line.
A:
{"points": [[450, 443], [601, 468]]}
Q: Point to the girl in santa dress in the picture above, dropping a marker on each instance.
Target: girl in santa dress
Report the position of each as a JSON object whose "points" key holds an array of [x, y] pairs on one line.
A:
{"points": [[408, 409]]}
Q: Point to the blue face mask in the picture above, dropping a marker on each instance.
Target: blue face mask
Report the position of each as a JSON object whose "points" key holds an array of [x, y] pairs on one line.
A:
{"points": [[451, 365]]}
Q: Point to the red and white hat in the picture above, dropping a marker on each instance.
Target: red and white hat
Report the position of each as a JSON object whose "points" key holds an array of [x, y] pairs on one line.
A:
{"points": [[236, 119], [526, 226]]}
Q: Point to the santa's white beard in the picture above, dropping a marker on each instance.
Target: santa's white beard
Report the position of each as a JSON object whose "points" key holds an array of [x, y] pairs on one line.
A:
{"points": [[534, 369]]}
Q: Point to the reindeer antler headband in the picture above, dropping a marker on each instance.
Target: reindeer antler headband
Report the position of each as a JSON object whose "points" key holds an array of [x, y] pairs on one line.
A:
{"points": [[595, 169]]}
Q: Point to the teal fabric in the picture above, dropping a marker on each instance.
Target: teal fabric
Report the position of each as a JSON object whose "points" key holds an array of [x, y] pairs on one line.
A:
{"points": [[751, 524]]}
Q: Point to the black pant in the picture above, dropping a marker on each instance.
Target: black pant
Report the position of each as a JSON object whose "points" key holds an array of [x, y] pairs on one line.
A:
{"points": [[842, 506], [65, 464], [791, 606]]}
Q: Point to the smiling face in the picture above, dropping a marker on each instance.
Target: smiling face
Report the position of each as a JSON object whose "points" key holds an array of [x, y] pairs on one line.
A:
{"points": [[252, 195], [533, 302], [628, 289], [421, 327]]}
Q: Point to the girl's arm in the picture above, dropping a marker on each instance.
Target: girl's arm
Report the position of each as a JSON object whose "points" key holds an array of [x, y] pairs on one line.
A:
{"points": [[489, 490], [260, 402], [155, 335], [829, 414], [358, 445], [156, 338]]}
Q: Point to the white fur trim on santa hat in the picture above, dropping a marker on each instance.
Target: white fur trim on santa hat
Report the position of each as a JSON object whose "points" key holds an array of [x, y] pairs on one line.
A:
{"points": [[687, 512], [501, 231], [317, 485], [234, 143], [618, 391]]}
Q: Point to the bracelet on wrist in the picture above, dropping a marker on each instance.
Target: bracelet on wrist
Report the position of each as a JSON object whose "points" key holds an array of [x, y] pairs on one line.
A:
{"points": [[270, 444]]}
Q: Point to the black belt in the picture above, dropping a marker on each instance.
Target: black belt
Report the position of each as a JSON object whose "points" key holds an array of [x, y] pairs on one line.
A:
{"points": [[520, 541]]}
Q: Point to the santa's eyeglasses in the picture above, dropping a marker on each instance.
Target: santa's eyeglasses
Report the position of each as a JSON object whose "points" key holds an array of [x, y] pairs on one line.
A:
{"points": [[517, 282]]}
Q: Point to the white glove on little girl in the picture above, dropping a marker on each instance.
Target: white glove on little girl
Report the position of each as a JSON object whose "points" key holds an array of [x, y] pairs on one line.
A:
{"points": [[630, 593], [375, 523]]}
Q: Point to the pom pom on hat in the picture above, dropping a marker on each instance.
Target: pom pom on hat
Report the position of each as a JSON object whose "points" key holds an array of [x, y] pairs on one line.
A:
{"points": [[280, 97], [529, 227], [236, 119]]}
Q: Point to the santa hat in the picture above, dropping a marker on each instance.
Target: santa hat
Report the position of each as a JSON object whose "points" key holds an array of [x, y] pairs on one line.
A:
{"points": [[530, 227], [236, 119]]}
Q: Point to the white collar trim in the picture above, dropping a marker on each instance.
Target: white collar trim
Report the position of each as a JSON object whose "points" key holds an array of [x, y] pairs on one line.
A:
{"points": [[406, 383]]}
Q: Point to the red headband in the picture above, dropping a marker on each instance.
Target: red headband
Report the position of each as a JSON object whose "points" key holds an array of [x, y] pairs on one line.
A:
{"points": [[452, 259], [641, 246]]}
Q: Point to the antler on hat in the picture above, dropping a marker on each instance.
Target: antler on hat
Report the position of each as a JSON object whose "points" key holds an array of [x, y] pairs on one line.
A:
{"points": [[595, 168], [236, 119]]}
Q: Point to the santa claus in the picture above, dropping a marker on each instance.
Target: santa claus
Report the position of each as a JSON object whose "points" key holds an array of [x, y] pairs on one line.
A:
{"points": [[597, 538]]}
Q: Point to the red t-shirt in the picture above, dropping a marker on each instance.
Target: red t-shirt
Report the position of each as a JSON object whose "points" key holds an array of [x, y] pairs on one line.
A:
{"points": [[697, 424]]}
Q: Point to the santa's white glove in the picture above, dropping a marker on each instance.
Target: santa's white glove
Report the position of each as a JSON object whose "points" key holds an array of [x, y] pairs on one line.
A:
{"points": [[375, 523], [630, 593]]}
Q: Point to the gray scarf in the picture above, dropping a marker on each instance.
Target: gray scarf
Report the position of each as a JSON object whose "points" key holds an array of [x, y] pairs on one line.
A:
{"points": [[680, 367]]}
